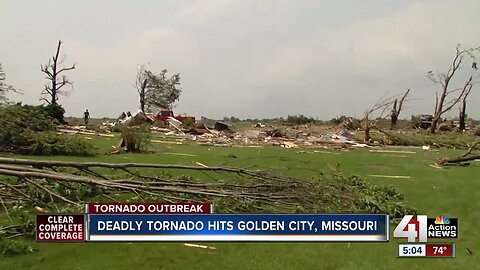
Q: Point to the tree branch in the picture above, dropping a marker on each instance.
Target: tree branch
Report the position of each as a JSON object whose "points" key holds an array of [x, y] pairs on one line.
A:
{"points": [[55, 58], [65, 69], [62, 84], [460, 96], [46, 71], [400, 103]]}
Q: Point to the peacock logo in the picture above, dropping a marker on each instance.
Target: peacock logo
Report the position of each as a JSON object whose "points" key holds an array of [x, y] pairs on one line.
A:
{"points": [[442, 220]]}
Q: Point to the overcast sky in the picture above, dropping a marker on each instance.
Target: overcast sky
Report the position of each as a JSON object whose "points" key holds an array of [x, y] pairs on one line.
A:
{"points": [[246, 58]]}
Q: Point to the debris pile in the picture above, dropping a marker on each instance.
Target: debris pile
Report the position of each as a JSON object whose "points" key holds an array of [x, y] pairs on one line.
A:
{"points": [[213, 133], [82, 130], [210, 132]]}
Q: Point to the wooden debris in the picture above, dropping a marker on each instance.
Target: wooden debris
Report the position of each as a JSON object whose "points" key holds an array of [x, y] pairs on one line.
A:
{"points": [[393, 151], [166, 142], [105, 135], [390, 176], [181, 154], [74, 131], [201, 164], [289, 145], [461, 161], [39, 209], [80, 131], [198, 246], [116, 150]]}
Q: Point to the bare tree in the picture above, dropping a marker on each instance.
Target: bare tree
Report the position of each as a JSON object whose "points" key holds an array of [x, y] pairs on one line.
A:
{"points": [[141, 84], [382, 104], [463, 108], [446, 98], [157, 90], [397, 109], [57, 80], [4, 87]]}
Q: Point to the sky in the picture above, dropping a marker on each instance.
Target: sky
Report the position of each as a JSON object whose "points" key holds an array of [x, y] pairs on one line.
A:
{"points": [[242, 58]]}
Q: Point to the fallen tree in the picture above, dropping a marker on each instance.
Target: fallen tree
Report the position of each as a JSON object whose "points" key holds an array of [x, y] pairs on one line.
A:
{"points": [[468, 156], [30, 130], [382, 105], [62, 186]]}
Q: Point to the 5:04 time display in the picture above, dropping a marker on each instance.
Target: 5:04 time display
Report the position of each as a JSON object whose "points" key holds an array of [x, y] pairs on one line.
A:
{"points": [[411, 250]]}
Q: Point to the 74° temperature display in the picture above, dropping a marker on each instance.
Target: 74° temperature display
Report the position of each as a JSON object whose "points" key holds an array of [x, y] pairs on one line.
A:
{"points": [[439, 250]]}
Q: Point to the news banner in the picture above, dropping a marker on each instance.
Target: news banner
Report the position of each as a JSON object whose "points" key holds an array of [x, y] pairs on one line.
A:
{"points": [[193, 222]]}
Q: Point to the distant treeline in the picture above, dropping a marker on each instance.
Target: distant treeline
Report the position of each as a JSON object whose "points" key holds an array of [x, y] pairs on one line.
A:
{"points": [[302, 119]]}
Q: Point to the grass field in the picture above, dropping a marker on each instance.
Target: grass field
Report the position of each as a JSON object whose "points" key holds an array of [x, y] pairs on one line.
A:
{"points": [[454, 192]]}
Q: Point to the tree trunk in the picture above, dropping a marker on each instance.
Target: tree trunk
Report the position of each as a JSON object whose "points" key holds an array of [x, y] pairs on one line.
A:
{"points": [[393, 121], [450, 161], [433, 127], [394, 116], [131, 145], [142, 96], [462, 115], [55, 74], [366, 128], [54, 82]]}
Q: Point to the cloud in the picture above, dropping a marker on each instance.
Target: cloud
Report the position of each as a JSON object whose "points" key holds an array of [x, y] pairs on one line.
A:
{"points": [[158, 34], [203, 10], [257, 59], [361, 62]]}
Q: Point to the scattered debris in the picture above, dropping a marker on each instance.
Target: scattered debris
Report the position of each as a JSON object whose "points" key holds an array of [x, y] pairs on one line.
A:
{"points": [[40, 209], [198, 246], [259, 125], [210, 132], [160, 129], [166, 142], [181, 154], [201, 164], [289, 145], [276, 133], [393, 151], [325, 152], [390, 176], [345, 133], [164, 114], [255, 134], [139, 118], [80, 130], [212, 124], [175, 123]]}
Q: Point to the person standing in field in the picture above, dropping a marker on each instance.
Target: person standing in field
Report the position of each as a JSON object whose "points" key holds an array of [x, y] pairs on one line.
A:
{"points": [[86, 116]]}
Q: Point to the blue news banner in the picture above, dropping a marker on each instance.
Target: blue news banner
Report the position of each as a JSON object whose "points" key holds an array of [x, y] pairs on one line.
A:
{"points": [[238, 227]]}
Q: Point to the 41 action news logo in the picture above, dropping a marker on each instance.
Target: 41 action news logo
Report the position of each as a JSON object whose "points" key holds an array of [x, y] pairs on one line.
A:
{"points": [[421, 227]]}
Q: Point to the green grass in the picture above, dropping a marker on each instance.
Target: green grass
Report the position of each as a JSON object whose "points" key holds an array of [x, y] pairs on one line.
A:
{"points": [[454, 192]]}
